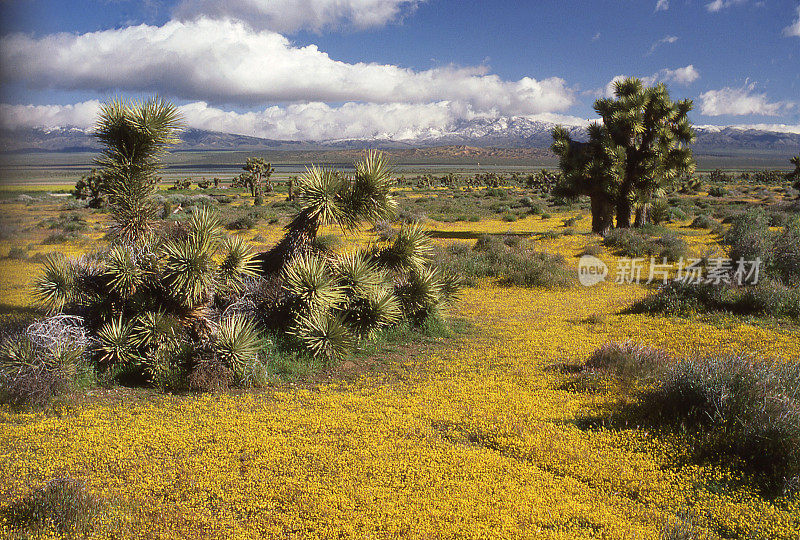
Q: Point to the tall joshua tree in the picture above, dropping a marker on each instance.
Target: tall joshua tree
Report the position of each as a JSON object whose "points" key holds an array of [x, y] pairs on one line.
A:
{"points": [[590, 169], [650, 133], [135, 136]]}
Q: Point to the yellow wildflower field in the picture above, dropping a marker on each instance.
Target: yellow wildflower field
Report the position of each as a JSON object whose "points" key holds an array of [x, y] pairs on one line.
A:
{"points": [[478, 436]]}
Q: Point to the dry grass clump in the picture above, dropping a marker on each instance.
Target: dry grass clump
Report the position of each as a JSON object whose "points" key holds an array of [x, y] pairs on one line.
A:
{"points": [[629, 360], [61, 506]]}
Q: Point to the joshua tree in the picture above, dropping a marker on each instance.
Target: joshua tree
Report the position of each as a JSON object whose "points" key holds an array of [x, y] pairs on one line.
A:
{"points": [[328, 197], [91, 186], [588, 169], [650, 135], [135, 136], [795, 175], [256, 177]]}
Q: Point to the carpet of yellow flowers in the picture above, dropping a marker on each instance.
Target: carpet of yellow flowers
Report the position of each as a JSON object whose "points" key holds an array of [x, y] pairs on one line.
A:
{"points": [[474, 437]]}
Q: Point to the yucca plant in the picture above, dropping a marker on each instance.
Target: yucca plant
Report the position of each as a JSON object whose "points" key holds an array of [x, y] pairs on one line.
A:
{"points": [[421, 294], [324, 335], [116, 346], [124, 274], [135, 136], [373, 309], [357, 273], [237, 264], [410, 250], [237, 343], [190, 271], [329, 197], [309, 279], [55, 286]]}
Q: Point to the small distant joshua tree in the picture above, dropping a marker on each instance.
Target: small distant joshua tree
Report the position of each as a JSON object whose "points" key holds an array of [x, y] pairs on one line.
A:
{"points": [[256, 177]]}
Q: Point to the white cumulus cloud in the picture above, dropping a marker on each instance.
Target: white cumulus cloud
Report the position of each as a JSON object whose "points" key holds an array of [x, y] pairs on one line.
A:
{"points": [[793, 30], [662, 5], [683, 76], [225, 62], [288, 16], [719, 5], [302, 121], [739, 102], [82, 115]]}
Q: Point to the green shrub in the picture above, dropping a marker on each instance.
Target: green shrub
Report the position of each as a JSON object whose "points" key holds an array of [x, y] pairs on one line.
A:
{"points": [[635, 243], [17, 253], [660, 212], [507, 259], [703, 221], [742, 406], [786, 253], [509, 217], [717, 191], [243, 223], [749, 238]]}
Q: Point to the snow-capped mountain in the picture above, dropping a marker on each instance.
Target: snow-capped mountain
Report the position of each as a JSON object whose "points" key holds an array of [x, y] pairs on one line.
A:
{"points": [[501, 132]]}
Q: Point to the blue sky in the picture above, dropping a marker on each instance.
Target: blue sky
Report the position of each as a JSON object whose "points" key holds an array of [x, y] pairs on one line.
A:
{"points": [[323, 68]]}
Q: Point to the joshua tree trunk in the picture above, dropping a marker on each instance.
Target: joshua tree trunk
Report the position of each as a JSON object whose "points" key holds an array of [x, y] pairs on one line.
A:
{"points": [[623, 212], [602, 213], [641, 216]]}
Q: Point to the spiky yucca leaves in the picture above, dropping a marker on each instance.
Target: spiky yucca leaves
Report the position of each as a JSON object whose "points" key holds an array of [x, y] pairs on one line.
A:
{"points": [[236, 265], [135, 136], [372, 309], [369, 197], [357, 273], [237, 343], [421, 294], [190, 270], [204, 224], [324, 335], [151, 328], [329, 197], [308, 278], [116, 345], [322, 196], [55, 287], [409, 251], [124, 274]]}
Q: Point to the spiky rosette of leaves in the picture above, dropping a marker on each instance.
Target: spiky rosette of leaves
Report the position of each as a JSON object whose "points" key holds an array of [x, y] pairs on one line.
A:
{"points": [[357, 273], [124, 274], [321, 194], [204, 225], [237, 343], [324, 335], [189, 269], [451, 285], [308, 278], [369, 197], [55, 287], [409, 251], [152, 328], [237, 263], [115, 343], [421, 293], [374, 309]]}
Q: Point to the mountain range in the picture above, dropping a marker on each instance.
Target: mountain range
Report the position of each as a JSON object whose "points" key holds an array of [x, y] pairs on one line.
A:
{"points": [[504, 132]]}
